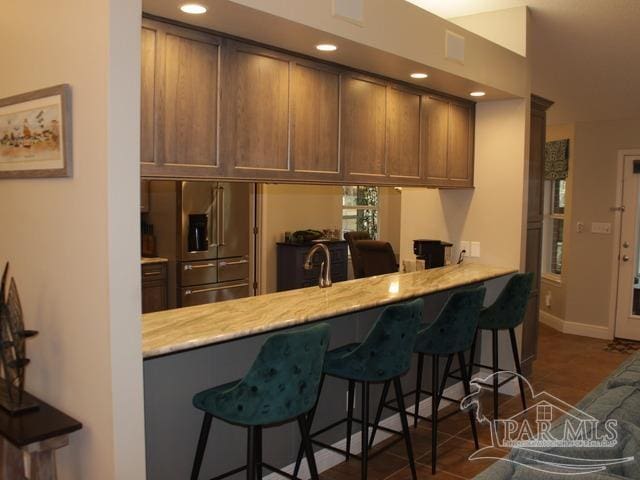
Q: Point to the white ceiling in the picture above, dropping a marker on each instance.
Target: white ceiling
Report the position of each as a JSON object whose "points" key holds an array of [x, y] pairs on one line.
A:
{"points": [[585, 54]]}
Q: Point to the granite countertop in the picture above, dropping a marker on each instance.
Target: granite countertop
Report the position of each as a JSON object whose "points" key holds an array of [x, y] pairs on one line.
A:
{"points": [[172, 331], [147, 260]]}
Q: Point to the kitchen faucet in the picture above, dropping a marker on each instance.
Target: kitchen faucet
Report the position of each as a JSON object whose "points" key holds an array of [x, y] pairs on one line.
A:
{"points": [[324, 280]]}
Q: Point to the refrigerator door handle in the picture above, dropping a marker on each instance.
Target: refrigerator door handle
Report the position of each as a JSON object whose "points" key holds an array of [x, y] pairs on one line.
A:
{"points": [[223, 264], [215, 289], [210, 215], [188, 266], [221, 208]]}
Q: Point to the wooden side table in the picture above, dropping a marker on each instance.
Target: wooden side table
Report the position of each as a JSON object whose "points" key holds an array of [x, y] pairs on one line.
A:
{"points": [[30, 439]]}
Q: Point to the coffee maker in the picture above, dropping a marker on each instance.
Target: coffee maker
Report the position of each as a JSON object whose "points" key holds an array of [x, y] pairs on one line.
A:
{"points": [[435, 253]]}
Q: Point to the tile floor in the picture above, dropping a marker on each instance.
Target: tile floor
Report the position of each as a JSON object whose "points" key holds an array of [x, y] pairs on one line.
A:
{"points": [[568, 367]]}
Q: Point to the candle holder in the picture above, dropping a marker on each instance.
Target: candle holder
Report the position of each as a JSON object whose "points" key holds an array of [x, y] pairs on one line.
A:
{"points": [[13, 358]]}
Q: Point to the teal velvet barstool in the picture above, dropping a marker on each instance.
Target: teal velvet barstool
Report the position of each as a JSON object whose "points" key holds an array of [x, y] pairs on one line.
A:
{"points": [[383, 357], [506, 313], [450, 335], [281, 386]]}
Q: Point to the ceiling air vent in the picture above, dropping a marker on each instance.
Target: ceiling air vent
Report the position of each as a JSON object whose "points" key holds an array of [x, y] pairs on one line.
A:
{"points": [[454, 47], [349, 10]]}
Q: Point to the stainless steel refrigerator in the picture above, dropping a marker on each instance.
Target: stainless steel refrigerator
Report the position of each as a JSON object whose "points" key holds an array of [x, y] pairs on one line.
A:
{"points": [[213, 260]]}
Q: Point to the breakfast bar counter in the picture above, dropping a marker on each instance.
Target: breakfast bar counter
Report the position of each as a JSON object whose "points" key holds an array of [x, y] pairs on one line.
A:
{"points": [[173, 331]]}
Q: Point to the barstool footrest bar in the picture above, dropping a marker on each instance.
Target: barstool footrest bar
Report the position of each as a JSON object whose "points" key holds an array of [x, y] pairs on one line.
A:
{"points": [[229, 473]]}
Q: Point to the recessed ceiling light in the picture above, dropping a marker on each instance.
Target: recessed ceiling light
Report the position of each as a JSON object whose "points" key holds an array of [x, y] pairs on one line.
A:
{"points": [[419, 75], [477, 94], [326, 47], [193, 8]]}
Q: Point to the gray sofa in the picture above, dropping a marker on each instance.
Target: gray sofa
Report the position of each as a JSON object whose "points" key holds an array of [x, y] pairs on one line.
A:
{"points": [[618, 397]]}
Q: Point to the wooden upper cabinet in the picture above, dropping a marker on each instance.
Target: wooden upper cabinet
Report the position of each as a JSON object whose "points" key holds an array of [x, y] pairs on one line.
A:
{"points": [[461, 137], [315, 121], [255, 127], [149, 45], [404, 151], [363, 129], [448, 139], [185, 102]]}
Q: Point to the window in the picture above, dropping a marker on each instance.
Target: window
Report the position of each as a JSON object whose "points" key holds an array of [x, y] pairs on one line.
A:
{"points": [[360, 210], [555, 198]]}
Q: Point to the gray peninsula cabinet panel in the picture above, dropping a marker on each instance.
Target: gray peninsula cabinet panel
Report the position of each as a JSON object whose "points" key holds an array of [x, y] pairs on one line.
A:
{"points": [[180, 101]]}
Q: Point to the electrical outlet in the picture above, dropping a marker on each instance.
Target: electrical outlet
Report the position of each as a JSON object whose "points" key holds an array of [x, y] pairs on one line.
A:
{"points": [[601, 227], [547, 299], [475, 249], [465, 245], [579, 227]]}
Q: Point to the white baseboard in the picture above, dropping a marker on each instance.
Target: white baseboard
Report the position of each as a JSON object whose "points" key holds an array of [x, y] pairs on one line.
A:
{"points": [[326, 459], [574, 328]]}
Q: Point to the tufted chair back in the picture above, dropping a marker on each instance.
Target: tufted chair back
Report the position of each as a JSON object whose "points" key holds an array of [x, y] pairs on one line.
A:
{"points": [[283, 381], [509, 308], [455, 327], [386, 351]]}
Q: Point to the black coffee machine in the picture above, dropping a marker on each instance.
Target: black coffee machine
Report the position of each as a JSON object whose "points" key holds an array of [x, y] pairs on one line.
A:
{"points": [[435, 253]]}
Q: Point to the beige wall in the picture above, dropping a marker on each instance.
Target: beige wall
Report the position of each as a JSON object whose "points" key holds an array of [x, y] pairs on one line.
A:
{"points": [[492, 212], [504, 27], [589, 265], [73, 243], [390, 218], [557, 290]]}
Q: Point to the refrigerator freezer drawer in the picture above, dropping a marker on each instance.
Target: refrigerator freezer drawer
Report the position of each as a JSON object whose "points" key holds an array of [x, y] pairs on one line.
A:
{"points": [[198, 273], [233, 269], [217, 292]]}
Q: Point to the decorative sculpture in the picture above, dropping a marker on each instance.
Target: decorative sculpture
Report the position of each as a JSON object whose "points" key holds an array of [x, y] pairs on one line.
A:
{"points": [[13, 357]]}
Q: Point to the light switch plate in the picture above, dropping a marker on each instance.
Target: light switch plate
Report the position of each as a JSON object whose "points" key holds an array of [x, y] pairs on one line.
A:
{"points": [[601, 227], [475, 249]]}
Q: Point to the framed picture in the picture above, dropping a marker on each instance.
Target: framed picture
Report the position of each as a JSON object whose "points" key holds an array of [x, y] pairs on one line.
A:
{"points": [[35, 134]]}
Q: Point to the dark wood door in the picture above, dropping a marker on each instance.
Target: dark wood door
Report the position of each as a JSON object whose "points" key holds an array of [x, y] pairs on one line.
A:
{"points": [[179, 102], [362, 129], [460, 145], [436, 136], [404, 152], [315, 121], [533, 260], [255, 123]]}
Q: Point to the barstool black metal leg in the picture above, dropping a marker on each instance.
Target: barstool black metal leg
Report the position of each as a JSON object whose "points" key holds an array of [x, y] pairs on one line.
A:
{"points": [[308, 449], [350, 399], [434, 411], [252, 463], [202, 444], [516, 360], [467, 391], [258, 441], [443, 383], [310, 417], [383, 399], [365, 429], [416, 406], [494, 342], [472, 354], [405, 426]]}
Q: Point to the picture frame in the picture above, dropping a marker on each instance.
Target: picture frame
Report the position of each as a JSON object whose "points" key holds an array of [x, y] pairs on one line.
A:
{"points": [[35, 134]]}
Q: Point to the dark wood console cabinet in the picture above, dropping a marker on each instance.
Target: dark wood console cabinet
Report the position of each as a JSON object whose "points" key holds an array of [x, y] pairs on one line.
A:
{"points": [[291, 272]]}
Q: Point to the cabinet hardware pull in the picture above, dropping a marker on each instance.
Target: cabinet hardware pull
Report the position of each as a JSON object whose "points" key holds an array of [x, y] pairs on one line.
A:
{"points": [[193, 267], [236, 262], [215, 289], [150, 274]]}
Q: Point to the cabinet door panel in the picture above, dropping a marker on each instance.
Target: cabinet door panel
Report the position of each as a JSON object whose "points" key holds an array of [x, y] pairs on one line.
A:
{"points": [[258, 113], [363, 128], [403, 134], [316, 107], [459, 158], [148, 92], [190, 102], [436, 138]]}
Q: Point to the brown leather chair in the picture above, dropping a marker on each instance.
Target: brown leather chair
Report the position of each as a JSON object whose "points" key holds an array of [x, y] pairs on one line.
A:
{"points": [[352, 238], [377, 257]]}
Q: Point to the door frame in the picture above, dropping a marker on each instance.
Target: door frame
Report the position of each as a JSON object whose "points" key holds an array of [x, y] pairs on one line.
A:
{"points": [[617, 234]]}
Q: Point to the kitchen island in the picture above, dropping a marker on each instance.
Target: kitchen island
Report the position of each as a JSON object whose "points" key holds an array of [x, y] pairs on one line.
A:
{"points": [[190, 349]]}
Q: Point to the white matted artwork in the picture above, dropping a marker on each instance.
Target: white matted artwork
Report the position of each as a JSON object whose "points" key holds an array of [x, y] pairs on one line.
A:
{"points": [[35, 134]]}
